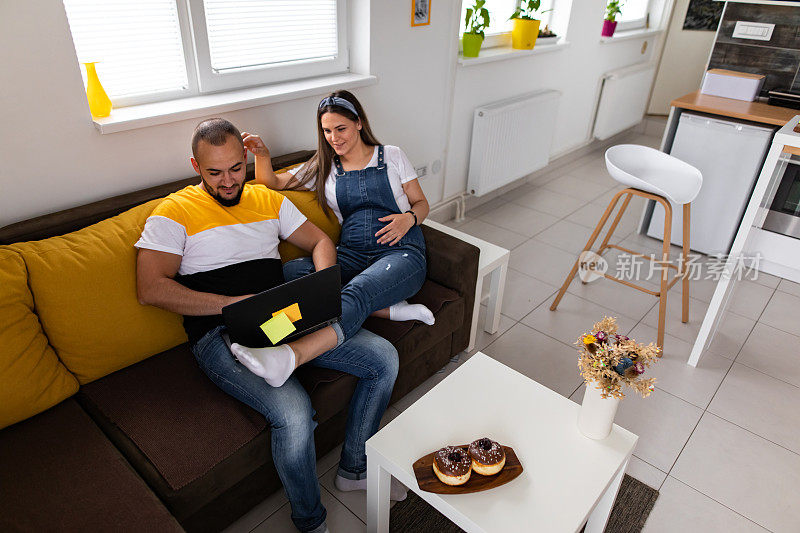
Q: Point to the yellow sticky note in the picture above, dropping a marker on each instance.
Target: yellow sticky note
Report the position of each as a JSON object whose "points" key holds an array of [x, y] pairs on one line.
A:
{"points": [[278, 327], [293, 312]]}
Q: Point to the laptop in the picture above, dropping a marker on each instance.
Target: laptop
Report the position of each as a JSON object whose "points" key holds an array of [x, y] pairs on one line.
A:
{"points": [[318, 294]]}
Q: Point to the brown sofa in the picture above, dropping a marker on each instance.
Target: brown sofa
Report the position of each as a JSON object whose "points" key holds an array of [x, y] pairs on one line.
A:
{"points": [[154, 445]]}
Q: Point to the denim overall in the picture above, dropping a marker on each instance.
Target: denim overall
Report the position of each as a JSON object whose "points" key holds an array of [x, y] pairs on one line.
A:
{"points": [[364, 196], [374, 275]]}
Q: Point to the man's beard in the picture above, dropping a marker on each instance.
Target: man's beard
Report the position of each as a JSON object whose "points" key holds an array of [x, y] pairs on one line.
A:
{"points": [[225, 202]]}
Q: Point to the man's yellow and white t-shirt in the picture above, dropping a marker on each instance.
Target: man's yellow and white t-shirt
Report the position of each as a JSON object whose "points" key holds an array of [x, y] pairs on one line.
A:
{"points": [[225, 250]]}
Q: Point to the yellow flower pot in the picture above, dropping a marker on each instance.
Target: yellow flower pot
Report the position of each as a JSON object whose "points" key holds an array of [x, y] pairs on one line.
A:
{"points": [[523, 36]]}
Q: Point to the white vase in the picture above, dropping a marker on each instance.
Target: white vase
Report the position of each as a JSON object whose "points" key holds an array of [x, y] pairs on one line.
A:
{"points": [[597, 413]]}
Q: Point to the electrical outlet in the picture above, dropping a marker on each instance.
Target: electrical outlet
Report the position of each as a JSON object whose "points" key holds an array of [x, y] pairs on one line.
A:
{"points": [[421, 171], [759, 31]]}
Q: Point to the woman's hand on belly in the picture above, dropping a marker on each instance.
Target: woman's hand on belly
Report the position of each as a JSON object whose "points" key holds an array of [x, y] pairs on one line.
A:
{"points": [[398, 225]]}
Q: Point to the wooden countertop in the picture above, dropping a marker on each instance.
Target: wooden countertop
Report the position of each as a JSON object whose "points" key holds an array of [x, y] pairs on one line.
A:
{"points": [[728, 107]]}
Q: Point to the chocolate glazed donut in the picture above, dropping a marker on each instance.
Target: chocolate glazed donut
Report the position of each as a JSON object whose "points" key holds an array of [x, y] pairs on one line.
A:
{"points": [[452, 465], [488, 457]]}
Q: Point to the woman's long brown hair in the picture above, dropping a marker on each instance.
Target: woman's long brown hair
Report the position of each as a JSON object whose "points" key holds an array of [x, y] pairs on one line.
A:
{"points": [[319, 166]]}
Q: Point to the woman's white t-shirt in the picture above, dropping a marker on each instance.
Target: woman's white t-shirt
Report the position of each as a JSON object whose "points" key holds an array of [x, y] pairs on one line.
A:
{"points": [[398, 167]]}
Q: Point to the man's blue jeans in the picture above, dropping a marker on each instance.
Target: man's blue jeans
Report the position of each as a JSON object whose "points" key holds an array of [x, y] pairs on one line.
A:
{"points": [[289, 414]]}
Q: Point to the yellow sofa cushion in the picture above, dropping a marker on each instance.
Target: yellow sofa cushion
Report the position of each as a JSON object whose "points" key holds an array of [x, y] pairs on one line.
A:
{"points": [[31, 377], [84, 288], [306, 202]]}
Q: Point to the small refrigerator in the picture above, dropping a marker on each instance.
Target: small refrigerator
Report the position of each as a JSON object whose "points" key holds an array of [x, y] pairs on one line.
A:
{"points": [[729, 154]]}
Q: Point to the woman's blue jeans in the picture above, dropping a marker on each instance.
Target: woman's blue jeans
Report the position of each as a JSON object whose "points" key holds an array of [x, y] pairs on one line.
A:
{"points": [[289, 414], [370, 281]]}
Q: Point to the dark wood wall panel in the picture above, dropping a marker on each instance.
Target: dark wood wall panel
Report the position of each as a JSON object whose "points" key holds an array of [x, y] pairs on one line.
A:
{"points": [[778, 59]]}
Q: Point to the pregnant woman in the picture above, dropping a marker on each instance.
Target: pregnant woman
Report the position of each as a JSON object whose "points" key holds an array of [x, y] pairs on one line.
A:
{"points": [[374, 192]]}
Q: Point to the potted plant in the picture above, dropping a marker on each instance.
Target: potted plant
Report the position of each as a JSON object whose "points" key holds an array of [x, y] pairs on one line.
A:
{"points": [[613, 8], [607, 362], [547, 36], [526, 25], [477, 20]]}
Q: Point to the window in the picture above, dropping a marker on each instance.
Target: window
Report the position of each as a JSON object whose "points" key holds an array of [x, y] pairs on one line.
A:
{"points": [[634, 15], [499, 31], [155, 50]]}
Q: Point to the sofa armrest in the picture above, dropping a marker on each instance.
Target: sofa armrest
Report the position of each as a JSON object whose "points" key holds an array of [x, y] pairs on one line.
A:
{"points": [[453, 263]]}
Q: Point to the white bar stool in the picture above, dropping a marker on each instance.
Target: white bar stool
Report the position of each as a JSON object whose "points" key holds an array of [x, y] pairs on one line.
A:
{"points": [[654, 175]]}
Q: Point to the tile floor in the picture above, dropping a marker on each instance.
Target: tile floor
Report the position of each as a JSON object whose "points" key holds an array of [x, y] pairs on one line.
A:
{"points": [[721, 441]]}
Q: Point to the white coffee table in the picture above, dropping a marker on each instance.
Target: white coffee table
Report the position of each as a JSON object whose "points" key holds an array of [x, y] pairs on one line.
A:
{"points": [[567, 478]]}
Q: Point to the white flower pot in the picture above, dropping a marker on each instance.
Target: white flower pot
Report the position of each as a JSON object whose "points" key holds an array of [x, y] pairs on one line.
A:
{"points": [[597, 413]]}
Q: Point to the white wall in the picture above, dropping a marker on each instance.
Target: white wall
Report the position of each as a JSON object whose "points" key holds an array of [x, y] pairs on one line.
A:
{"points": [[53, 158], [574, 71], [683, 62]]}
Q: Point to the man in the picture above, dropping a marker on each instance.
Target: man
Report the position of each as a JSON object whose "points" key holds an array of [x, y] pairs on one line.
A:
{"points": [[216, 243]]}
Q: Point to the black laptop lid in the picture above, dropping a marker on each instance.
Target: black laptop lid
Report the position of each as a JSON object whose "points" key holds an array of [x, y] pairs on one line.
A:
{"points": [[319, 296]]}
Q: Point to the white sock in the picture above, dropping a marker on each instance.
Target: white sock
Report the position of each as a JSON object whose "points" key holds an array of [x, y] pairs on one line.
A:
{"points": [[274, 364], [405, 311], [397, 491]]}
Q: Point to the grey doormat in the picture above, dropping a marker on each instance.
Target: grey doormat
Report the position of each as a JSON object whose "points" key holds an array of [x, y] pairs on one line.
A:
{"points": [[634, 503]]}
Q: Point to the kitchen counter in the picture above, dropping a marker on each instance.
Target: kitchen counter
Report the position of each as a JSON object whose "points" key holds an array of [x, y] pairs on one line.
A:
{"points": [[779, 254], [758, 112], [728, 107]]}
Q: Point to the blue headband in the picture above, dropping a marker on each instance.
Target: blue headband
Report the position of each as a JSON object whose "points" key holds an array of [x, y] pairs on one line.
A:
{"points": [[337, 101]]}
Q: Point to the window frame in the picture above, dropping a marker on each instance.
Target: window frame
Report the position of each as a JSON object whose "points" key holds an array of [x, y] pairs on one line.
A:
{"points": [[636, 24], [201, 79], [209, 81]]}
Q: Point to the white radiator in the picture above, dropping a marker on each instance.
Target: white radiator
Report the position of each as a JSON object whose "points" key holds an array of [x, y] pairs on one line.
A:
{"points": [[511, 139], [623, 99]]}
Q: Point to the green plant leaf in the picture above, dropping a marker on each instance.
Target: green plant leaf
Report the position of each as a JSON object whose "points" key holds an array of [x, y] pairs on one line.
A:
{"points": [[466, 21]]}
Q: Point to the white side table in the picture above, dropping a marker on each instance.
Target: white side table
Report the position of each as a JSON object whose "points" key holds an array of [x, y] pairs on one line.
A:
{"points": [[568, 479], [493, 260]]}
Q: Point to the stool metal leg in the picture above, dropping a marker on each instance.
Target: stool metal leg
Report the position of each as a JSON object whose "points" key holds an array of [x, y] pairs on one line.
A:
{"points": [[685, 286], [588, 246], [662, 294]]}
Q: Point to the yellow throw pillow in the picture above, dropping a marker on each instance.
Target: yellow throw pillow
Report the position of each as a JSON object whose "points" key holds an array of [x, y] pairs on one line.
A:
{"points": [[306, 202], [84, 287], [31, 377]]}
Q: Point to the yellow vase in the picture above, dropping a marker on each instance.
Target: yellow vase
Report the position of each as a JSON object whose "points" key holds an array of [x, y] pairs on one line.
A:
{"points": [[524, 34], [99, 103]]}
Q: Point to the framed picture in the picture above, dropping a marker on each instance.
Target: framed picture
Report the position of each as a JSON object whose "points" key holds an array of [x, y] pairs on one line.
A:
{"points": [[420, 12]]}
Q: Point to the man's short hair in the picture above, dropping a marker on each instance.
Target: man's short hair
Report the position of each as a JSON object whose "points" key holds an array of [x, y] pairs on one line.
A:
{"points": [[214, 131]]}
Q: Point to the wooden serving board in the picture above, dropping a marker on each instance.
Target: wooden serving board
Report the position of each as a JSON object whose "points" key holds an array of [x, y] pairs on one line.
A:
{"points": [[427, 480]]}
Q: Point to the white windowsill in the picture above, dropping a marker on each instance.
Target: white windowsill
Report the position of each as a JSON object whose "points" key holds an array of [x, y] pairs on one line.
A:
{"points": [[620, 36], [501, 53], [141, 116]]}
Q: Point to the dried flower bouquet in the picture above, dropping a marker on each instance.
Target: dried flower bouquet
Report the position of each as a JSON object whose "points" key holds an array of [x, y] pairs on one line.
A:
{"points": [[611, 360]]}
